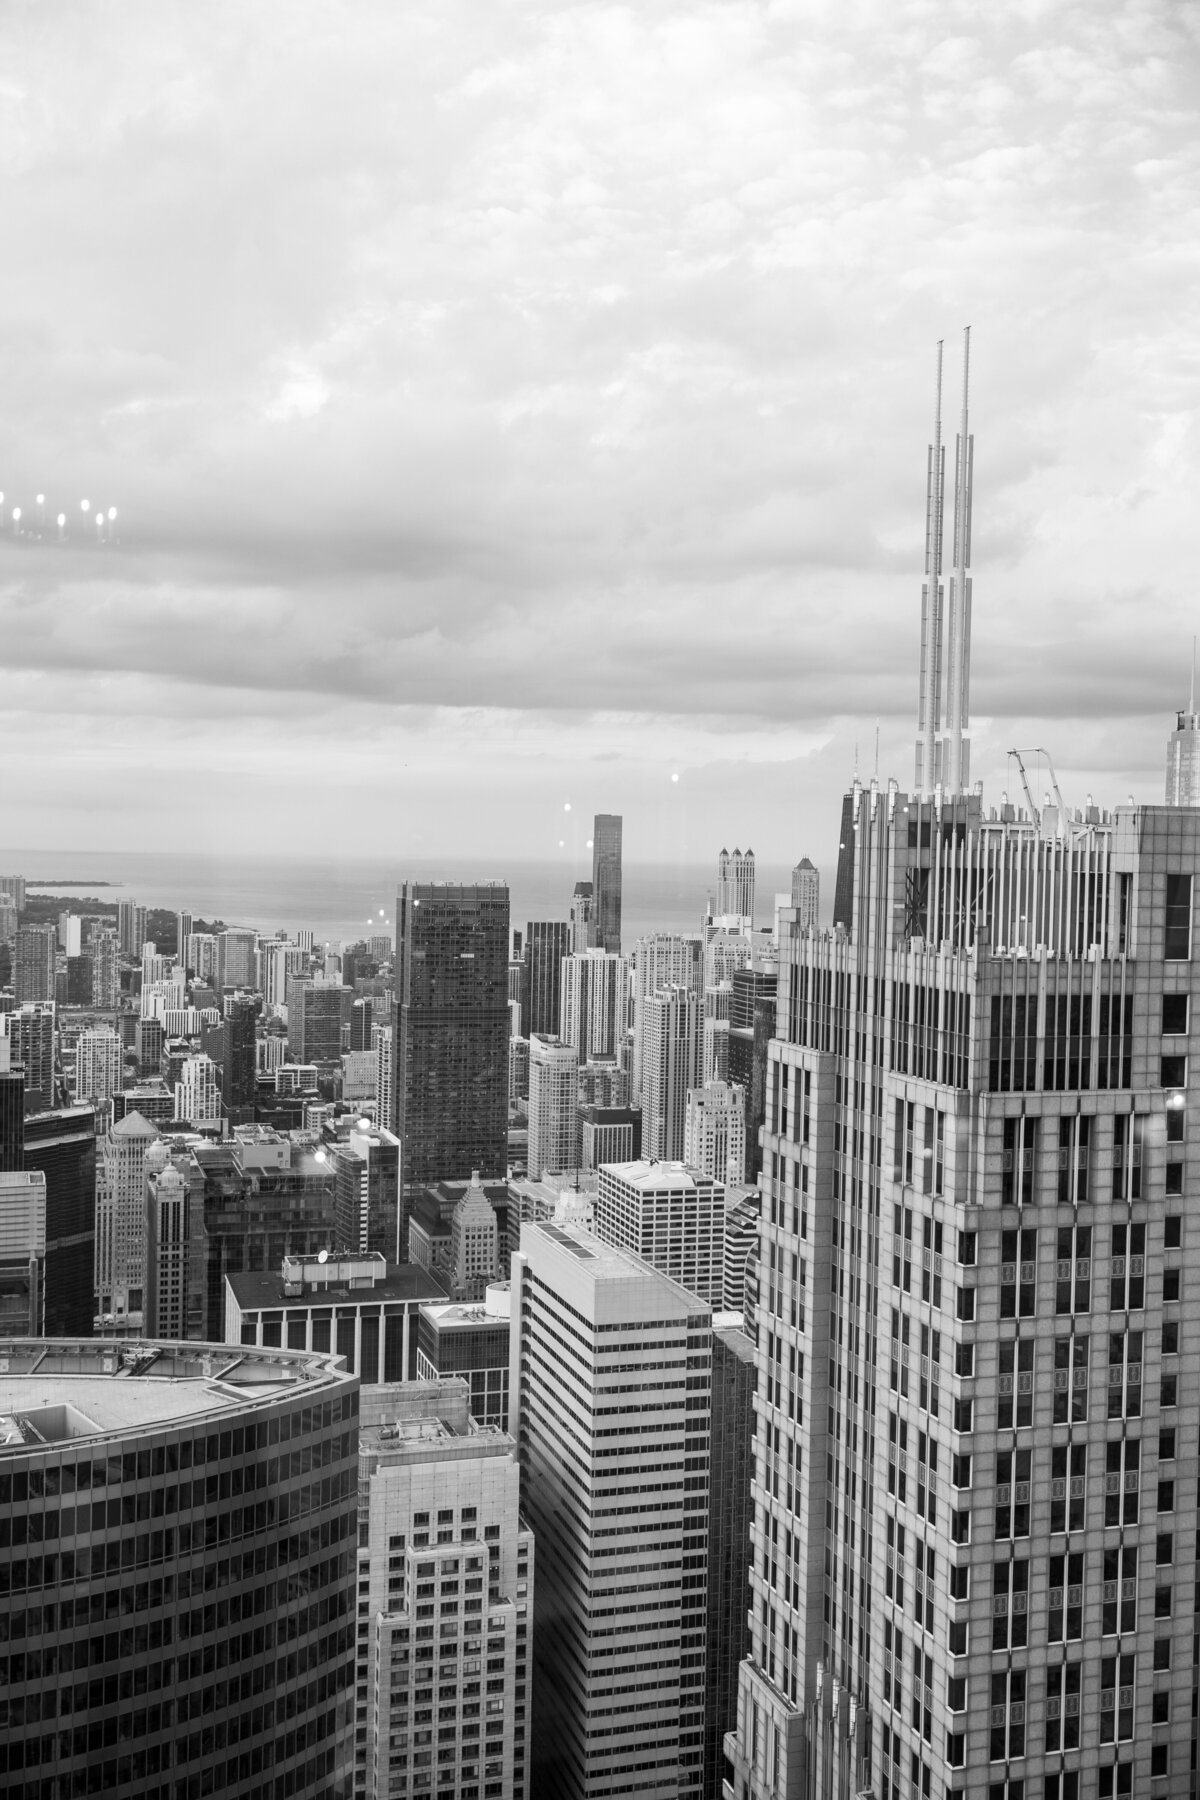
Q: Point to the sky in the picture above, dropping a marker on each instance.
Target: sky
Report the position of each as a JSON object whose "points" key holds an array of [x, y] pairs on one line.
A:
{"points": [[513, 407]]}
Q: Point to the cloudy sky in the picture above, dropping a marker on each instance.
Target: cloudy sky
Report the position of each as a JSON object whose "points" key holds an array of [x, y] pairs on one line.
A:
{"points": [[510, 405]]}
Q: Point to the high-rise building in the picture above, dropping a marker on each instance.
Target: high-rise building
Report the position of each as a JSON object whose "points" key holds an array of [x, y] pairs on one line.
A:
{"points": [[518, 1070], [661, 960], [12, 1108], [232, 1044], [263, 1584], [440, 1520], [12, 889], [99, 1064], [581, 919], [385, 1093], [553, 1107], [593, 1003], [200, 955], [609, 1134], [472, 1343], [606, 882], [474, 1244], [547, 941], [22, 1254], [106, 969], [730, 1550], [70, 933], [375, 1327], [316, 1014], [741, 1246], [451, 1033], [715, 1132], [619, 1514], [34, 964], [672, 1216], [183, 931], [131, 928], [751, 1028], [944, 761], [1183, 758], [670, 1066], [61, 1146], [236, 958], [120, 1277], [79, 980], [735, 886], [367, 1190], [361, 1023], [173, 1187], [31, 1034], [8, 921], [198, 1093], [806, 894]]}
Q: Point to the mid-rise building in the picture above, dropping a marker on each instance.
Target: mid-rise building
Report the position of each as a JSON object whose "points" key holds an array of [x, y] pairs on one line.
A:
{"points": [[471, 1343], [22, 1254], [34, 964], [198, 1093], [241, 1616], [735, 886], [715, 1132], [672, 1216], [553, 1107], [609, 1134], [606, 882], [670, 1067], [614, 1450], [236, 958], [99, 1064], [806, 895], [316, 1013], [359, 1307], [474, 1244], [446, 1585]]}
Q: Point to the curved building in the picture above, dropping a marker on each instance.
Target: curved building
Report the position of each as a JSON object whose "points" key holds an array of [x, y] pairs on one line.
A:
{"points": [[177, 1551]]}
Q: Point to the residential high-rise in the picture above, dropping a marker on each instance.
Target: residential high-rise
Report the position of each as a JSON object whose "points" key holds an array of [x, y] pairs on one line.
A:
{"points": [[715, 1132], [22, 1254], [198, 1093], [70, 934], [474, 1244], [106, 969], [440, 1524], [593, 1003], [361, 1022], [8, 921], [661, 960], [806, 894], [31, 1034], [672, 1216], [61, 1146], [12, 890], [1183, 759], [385, 1096], [670, 1066], [99, 1064], [606, 882], [619, 1514], [236, 958], [131, 927], [553, 1107], [120, 1274], [735, 886], [183, 931], [316, 1014], [547, 941], [581, 920], [34, 964], [451, 1026], [232, 1044], [128, 1437], [200, 955]]}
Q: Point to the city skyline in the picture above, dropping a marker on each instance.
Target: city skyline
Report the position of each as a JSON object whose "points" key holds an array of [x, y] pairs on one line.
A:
{"points": [[608, 318]]}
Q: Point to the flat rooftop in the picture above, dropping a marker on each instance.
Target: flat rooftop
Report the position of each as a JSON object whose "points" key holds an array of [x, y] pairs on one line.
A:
{"points": [[403, 1281]]}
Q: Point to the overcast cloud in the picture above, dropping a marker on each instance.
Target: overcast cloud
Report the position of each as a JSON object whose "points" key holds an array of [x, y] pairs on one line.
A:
{"points": [[510, 404]]}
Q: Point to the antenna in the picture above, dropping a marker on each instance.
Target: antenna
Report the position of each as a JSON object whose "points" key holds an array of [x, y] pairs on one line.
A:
{"points": [[1192, 692], [877, 749], [929, 717]]}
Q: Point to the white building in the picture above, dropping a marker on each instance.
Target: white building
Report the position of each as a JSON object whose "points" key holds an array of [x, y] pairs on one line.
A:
{"points": [[200, 954], [593, 1002], [672, 1216], [735, 885], [670, 1066], [715, 1131], [806, 894], [474, 1243], [99, 1064], [22, 1253], [659, 961], [553, 1107], [198, 1095], [360, 1073], [120, 1266], [446, 1589], [613, 1436], [385, 1105]]}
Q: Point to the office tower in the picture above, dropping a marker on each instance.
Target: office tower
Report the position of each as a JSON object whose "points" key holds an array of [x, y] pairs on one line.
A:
{"points": [[474, 1244], [385, 1093], [806, 894], [61, 1146], [361, 1023], [660, 961], [735, 886], [518, 1070], [159, 1719], [672, 1216], [593, 1003], [99, 1064], [714, 1049], [606, 882], [79, 981], [944, 761], [12, 889], [148, 1040], [367, 1191], [670, 1066], [451, 1025], [553, 1107], [470, 1343], [547, 941], [581, 919], [315, 1016], [183, 931], [730, 1550], [609, 1134], [120, 1273], [605, 1084], [131, 927], [715, 1132], [606, 1513], [198, 1093], [1183, 757], [70, 927], [169, 1230], [34, 964], [200, 955], [22, 1254], [232, 1044], [379, 948], [751, 1028], [12, 1109], [31, 1031], [236, 958], [106, 971], [440, 1522], [375, 1324], [741, 1246]]}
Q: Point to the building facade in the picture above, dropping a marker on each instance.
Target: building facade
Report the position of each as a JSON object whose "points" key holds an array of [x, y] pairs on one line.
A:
{"points": [[715, 1131], [34, 963], [672, 1216], [606, 882], [22, 1254], [806, 895], [735, 886], [547, 942], [670, 1068], [553, 1107]]}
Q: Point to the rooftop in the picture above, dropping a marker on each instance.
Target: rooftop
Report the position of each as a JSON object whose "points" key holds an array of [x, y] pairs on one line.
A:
{"points": [[644, 1174], [403, 1282]]}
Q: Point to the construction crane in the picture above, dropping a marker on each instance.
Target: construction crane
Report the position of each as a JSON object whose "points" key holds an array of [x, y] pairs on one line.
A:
{"points": [[1058, 799]]}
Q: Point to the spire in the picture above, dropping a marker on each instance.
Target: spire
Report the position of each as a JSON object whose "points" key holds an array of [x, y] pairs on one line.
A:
{"points": [[929, 712], [956, 753], [944, 761]]}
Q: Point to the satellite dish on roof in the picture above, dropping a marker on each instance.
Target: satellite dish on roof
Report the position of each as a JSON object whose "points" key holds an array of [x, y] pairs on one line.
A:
{"points": [[322, 1256]]}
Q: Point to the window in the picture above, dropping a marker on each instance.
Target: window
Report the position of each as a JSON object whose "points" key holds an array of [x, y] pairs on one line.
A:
{"points": [[923, 1584], [1012, 1493], [1173, 1180], [959, 1580], [960, 1526], [1124, 1374], [1062, 1706], [931, 1360], [1164, 1549], [1127, 1274], [1167, 1390], [1064, 1786], [1170, 1338], [956, 1750], [1010, 1605], [1160, 1754], [956, 1693], [894, 1579], [957, 1637], [1127, 1156], [1068, 1487], [927, 1462], [902, 1231], [1065, 1608], [899, 1363], [1074, 1148], [1162, 1654], [1115, 1781], [897, 1457], [964, 1359], [1019, 1158], [1166, 1496], [1172, 1231], [1119, 1611], [922, 1699], [1070, 1380], [1122, 1465], [964, 1412], [1008, 1714], [1116, 1699], [1166, 1445], [1073, 1270], [960, 1471], [966, 1249], [1177, 919], [893, 1680], [1018, 1274], [1173, 1071], [1174, 1015], [1015, 1401], [1170, 1284]]}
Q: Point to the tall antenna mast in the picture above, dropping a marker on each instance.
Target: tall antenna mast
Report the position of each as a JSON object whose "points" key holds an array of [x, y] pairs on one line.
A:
{"points": [[956, 753], [929, 719]]}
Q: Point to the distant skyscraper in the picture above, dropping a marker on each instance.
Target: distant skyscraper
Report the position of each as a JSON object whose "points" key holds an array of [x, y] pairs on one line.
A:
{"points": [[660, 961], [31, 1031], [583, 931], [316, 1013], [120, 1279], [8, 921], [168, 1243], [612, 1612], [593, 1003], [806, 894], [385, 1092], [553, 1107], [12, 889], [22, 1254], [1183, 759], [34, 963], [670, 1066], [715, 1133], [62, 1147], [106, 971], [606, 881], [99, 1064], [183, 931], [236, 958], [735, 885], [547, 941], [198, 1095], [70, 933], [451, 1026], [131, 927], [200, 956]]}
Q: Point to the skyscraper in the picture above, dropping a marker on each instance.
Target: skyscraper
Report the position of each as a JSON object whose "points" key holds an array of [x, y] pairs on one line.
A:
{"points": [[553, 1107], [451, 1034], [120, 1277], [944, 706], [31, 1034], [316, 1013], [61, 1146], [99, 1064], [606, 881], [593, 1002], [22, 1254], [735, 886], [131, 927], [34, 964], [715, 1131], [547, 941], [474, 1244], [236, 958], [670, 1066], [672, 1216], [1183, 759], [806, 894], [620, 1521], [582, 924], [661, 960], [106, 972], [198, 1093]]}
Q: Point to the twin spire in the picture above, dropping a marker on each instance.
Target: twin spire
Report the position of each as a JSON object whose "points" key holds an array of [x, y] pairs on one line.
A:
{"points": [[943, 749]]}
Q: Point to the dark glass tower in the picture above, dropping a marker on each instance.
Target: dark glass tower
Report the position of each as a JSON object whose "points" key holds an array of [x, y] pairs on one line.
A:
{"points": [[12, 1127], [451, 1034], [62, 1145], [606, 880], [547, 941]]}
